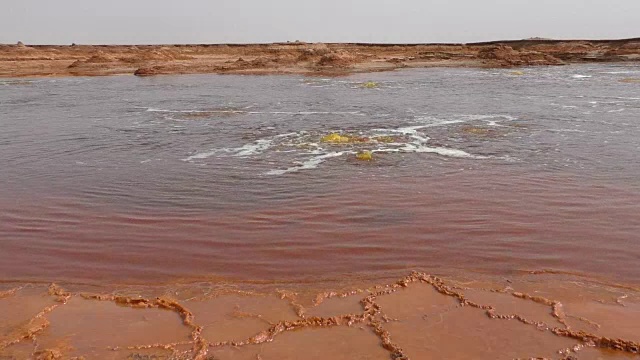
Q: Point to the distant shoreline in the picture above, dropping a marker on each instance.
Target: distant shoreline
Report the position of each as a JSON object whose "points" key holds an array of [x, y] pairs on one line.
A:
{"points": [[489, 42], [302, 58]]}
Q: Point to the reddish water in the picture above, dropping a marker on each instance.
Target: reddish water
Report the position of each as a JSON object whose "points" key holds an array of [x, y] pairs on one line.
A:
{"points": [[463, 220], [129, 180]]}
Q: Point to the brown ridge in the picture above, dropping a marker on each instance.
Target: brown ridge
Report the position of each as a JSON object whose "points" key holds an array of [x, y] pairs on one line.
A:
{"points": [[8, 293], [302, 58]]}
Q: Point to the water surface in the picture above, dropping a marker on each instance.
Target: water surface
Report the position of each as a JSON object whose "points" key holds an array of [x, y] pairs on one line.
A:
{"points": [[125, 179]]}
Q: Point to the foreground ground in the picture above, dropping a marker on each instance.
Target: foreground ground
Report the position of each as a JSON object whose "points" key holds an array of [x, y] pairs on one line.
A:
{"points": [[300, 58], [535, 315]]}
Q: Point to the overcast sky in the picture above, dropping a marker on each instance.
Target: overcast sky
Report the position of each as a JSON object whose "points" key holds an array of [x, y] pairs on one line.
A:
{"points": [[240, 21]]}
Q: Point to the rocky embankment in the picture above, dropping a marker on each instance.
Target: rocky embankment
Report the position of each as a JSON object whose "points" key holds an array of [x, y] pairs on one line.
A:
{"points": [[300, 58]]}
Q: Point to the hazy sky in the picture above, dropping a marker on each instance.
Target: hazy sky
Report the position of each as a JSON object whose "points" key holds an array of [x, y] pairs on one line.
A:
{"points": [[236, 21]]}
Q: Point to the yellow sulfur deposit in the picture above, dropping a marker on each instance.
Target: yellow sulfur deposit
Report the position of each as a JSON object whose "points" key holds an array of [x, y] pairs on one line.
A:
{"points": [[364, 156], [335, 138], [370, 85], [518, 73]]}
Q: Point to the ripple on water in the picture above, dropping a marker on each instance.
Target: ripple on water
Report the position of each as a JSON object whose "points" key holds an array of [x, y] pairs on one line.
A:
{"points": [[309, 150]]}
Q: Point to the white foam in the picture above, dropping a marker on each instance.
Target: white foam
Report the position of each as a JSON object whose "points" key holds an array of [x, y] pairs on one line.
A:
{"points": [[392, 150], [243, 151], [463, 118], [311, 163], [252, 149], [203, 155], [411, 131], [442, 151], [257, 147], [407, 130], [578, 76], [489, 116], [289, 134]]}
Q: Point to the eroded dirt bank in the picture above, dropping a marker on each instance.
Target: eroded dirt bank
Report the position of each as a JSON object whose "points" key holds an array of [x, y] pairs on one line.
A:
{"points": [[535, 315], [300, 58]]}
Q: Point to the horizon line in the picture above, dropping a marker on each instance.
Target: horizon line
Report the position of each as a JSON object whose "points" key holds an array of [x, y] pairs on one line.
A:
{"points": [[299, 42]]}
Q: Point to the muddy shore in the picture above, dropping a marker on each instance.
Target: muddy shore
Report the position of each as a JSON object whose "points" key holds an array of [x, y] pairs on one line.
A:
{"points": [[301, 58], [537, 315]]}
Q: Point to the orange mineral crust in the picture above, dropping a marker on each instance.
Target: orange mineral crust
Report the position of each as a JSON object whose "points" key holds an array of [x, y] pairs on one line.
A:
{"points": [[420, 316]]}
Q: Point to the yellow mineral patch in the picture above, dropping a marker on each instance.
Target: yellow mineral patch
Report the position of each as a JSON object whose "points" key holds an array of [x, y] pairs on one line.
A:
{"points": [[370, 85], [358, 139], [517, 73], [364, 156], [336, 138], [630, 80]]}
